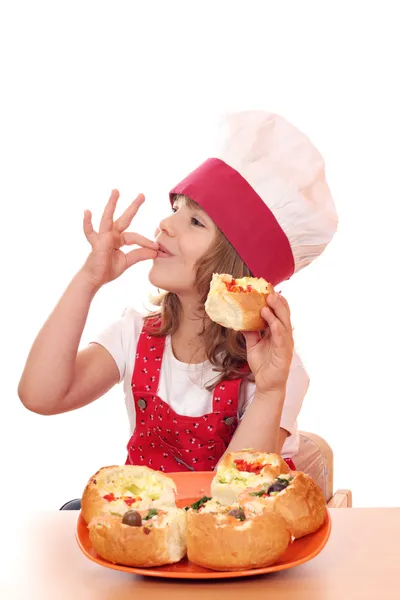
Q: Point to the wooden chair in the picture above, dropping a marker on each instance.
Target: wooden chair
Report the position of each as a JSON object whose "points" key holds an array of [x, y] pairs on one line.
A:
{"points": [[316, 459]]}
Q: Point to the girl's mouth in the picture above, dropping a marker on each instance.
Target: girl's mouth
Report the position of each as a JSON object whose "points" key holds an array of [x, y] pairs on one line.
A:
{"points": [[163, 252]]}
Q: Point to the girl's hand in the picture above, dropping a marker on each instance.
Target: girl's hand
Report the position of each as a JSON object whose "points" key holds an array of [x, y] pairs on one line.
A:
{"points": [[106, 261], [269, 357]]}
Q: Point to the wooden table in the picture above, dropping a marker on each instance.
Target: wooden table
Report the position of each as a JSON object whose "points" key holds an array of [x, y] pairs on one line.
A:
{"points": [[361, 561]]}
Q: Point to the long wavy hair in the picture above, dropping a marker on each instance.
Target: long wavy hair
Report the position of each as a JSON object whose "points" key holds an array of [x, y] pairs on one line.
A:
{"points": [[225, 348]]}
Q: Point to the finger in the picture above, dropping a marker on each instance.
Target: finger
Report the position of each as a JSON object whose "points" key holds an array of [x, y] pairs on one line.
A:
{"points": [[277, 329], [252, 338], [125, 219], [286, 303], [280, 307], [88, 227], [139, 254], [131, 238], [106, 222]]}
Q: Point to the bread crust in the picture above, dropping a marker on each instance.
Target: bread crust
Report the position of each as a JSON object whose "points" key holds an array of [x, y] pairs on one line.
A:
{"points": [[148, 545], [302, 504], [237, 310], [224, 543], [93, 503]]}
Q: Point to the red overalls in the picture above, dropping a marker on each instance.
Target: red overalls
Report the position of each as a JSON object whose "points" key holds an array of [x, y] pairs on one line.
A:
{"points": [[166, 441]]}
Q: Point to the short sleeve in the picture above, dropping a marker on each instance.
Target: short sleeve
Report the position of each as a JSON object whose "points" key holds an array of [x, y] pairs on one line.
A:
{"points": [[120, 339], [296, 389]]}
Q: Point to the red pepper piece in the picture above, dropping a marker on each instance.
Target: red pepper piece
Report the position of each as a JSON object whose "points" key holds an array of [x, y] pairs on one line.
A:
{"points": [[129, 501], [110, 497], [255, 467]]}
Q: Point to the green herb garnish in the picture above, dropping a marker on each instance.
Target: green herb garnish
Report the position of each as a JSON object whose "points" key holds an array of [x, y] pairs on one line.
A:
{"points": [[198, 504], [152, 513], [284, 479], [260, 493]]}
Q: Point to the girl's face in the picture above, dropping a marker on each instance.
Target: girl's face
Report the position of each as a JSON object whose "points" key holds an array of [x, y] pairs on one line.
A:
{"points": [[184, 237]]}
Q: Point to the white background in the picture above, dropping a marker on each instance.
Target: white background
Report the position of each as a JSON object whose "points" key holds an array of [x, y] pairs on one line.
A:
{"points": [[97, 95]]}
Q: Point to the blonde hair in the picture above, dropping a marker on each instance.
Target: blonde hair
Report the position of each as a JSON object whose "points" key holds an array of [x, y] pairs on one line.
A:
{"points": [[225, 348]]}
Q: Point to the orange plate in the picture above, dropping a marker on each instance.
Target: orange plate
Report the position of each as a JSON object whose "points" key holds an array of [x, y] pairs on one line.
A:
{"points": [[192, 486]]}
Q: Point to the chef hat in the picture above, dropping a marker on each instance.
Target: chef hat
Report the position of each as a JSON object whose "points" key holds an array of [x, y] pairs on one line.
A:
{"points": [[265, 188]]}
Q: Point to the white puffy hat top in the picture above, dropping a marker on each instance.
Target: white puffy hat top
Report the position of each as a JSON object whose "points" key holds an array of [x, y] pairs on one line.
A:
{"points": [[264, 186]]}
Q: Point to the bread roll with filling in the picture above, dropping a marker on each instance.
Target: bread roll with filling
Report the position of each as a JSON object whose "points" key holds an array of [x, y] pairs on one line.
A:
{"points": [[118, 489], [228, 538], [157, 540], [257, 507], [237, 303], [295, 497], [240, 470]]}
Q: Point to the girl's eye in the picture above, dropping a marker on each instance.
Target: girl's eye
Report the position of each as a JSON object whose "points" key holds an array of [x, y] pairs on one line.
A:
{"points": [[196, 222], [193, 220]]}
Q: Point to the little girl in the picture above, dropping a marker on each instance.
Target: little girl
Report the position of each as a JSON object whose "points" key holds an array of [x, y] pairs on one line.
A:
{"points": [[193, 389]]}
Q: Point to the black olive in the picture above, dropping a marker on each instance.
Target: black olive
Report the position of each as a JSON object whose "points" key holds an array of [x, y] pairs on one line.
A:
{"points": [[278, 486], [132, 518], [238, 513]]}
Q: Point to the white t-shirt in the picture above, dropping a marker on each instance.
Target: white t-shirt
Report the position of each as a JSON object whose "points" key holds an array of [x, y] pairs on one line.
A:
{"points": [[182, 385]]}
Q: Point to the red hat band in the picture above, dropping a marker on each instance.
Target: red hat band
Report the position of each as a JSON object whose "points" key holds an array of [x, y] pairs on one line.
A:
{"points": [[242, 216]]}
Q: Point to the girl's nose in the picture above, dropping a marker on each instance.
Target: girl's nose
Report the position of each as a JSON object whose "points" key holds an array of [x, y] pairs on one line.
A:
{"points": [[167, 226]]}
